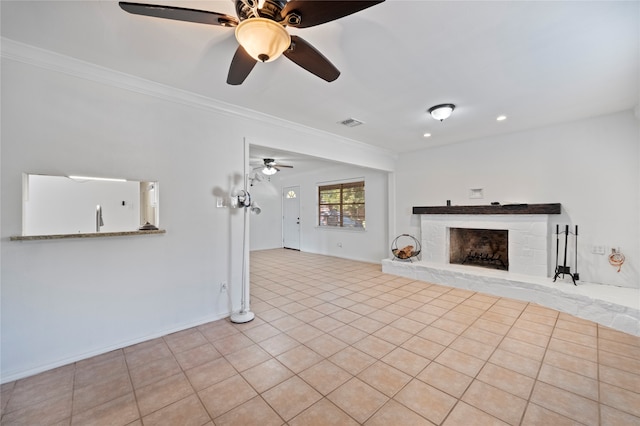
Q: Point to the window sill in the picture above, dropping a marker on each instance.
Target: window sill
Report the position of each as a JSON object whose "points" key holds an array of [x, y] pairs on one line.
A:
{"points": [[340, 229], [88, 235]]}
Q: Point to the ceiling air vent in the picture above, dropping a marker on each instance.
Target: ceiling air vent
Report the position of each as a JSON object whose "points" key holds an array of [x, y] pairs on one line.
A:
{"points": [[351, 122]]}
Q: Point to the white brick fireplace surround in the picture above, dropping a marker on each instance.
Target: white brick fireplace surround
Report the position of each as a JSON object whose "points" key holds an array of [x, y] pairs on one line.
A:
{"points": [[528, 235], [531, 267]]}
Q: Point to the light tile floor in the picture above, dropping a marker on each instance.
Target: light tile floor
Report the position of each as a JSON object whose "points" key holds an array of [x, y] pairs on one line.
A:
{"points": [[337, 342]]}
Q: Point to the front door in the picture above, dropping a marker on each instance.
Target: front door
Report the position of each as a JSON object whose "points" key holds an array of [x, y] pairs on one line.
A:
{"points": [[291, 217]]}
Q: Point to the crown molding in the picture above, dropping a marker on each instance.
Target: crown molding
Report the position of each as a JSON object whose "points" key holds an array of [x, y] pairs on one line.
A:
{"points": [[42, 58]]}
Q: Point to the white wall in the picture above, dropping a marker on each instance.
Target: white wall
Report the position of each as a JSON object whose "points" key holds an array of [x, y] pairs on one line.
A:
{"points": [[590, 166], [370, 245], [266, 228], [64, 300]]}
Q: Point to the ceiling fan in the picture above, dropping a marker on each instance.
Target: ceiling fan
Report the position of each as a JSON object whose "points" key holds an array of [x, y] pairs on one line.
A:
{"points": [[260, 30], [270, 167]]}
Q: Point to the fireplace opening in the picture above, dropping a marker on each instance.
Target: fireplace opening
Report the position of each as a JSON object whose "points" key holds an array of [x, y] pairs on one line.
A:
{"points": [[488, 248]]}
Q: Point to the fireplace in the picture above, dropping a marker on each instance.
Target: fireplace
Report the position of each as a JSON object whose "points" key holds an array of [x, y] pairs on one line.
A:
{"points": [[527, 236], [487, 248]]}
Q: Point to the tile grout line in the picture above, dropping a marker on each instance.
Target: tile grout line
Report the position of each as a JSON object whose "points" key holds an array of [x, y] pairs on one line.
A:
{"points": [[133, 388], [598, 373], [536, 381], [458, 399], [73, 391], [184, 372]]}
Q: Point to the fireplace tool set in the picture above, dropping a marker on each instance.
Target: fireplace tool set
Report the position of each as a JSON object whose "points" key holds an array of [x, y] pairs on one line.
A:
{"points": [[564, 268]]}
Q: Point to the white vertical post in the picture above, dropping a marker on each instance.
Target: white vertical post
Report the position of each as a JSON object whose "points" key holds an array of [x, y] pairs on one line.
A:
{"points": [[245, 314]]}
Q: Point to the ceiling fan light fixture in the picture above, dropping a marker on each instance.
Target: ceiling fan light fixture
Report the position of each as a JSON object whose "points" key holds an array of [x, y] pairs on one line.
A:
{"points": [[263, 39], [269, 170], [441, 112]]}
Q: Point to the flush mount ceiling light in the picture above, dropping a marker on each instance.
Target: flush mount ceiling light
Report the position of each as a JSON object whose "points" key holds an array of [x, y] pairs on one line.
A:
{"points": [[441, 112], [501, 118], [263, 39], [427, 135]]}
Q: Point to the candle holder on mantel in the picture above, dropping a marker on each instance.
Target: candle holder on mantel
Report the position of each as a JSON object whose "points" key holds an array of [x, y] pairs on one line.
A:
{"points": [[405, 247]]}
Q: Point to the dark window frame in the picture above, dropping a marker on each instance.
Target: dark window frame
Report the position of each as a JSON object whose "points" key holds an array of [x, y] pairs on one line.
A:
{"points": [[334, 213]]}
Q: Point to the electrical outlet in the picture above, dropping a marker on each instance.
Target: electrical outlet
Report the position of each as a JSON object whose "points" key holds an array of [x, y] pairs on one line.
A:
{"points": [[223, 287], [339, 244]]}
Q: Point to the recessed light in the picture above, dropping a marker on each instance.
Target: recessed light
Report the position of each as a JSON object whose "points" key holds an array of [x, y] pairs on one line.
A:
{"points": [[427, 135], [501, 118]]}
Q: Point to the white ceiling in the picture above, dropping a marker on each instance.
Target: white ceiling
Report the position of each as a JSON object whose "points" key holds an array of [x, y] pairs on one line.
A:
{"points": [[538, 62]]}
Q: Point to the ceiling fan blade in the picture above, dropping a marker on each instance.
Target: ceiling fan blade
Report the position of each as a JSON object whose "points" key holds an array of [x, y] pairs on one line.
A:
{"points": [[316, 12], [180, 14], [282, 165], [241, 66], [305, 55]]}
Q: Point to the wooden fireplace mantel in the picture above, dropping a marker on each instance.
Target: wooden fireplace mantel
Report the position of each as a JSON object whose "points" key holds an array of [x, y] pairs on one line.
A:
{"points": [[552, 208]]}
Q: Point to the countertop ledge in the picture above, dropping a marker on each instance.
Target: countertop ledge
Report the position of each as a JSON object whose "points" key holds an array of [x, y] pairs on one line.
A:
{"points": [[88, 235]]}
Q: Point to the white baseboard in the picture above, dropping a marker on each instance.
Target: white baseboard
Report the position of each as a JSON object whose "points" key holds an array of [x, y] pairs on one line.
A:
{"points": [[79, 357]]}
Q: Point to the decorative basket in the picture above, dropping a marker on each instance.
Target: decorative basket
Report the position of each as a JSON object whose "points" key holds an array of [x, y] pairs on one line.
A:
{"points": [[405, 247]]}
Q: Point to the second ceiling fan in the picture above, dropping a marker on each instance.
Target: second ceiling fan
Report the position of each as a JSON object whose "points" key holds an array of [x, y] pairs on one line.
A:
{"points": [[270, 167], [261, 33]]}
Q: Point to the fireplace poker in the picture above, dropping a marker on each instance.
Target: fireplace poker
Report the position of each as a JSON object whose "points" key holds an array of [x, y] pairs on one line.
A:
{"points": [[557, 245], [576, 276]]}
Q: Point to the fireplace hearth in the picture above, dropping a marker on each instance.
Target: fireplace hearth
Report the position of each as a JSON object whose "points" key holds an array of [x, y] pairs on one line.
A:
{"points": [[530, 263]]}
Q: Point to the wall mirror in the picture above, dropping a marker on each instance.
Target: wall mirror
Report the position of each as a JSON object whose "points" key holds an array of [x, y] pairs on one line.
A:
{"points": [[54, 205]]}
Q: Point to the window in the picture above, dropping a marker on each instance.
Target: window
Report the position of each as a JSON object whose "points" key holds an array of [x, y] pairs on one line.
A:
{"points": [[341, 205]]}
